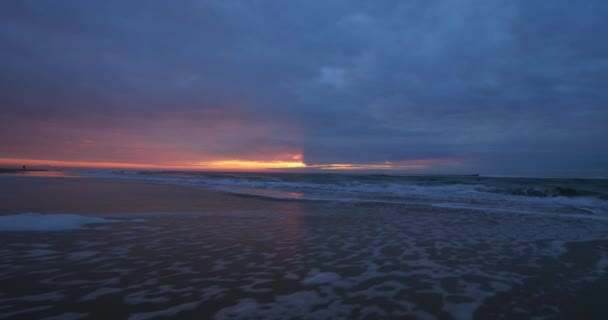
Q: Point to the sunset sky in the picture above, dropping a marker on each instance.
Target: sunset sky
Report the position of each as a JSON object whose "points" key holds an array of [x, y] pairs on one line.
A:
{"points": [[458, 86]]}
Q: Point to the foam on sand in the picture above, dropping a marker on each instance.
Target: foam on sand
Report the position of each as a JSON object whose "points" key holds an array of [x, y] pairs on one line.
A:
{"points": [[172, 311], [321, 278], [336, 261], [47, 222]]}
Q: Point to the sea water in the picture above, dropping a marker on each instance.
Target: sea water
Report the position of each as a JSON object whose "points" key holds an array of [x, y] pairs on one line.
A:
{"points": [[498, 194], [329, 246]]}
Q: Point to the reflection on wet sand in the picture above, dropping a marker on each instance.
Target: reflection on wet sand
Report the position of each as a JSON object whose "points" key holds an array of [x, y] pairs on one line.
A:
{"points": [[39, 173]]}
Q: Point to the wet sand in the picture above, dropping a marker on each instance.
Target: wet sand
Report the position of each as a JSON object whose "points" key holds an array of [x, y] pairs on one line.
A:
{"points": [[192, 253], [87, 195]]}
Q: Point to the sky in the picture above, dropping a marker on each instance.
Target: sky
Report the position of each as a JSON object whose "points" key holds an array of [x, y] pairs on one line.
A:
{"points": [[504, 87]]}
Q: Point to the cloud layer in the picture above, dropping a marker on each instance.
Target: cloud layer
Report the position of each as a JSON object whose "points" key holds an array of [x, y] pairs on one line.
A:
{"points": [[505, 87]]}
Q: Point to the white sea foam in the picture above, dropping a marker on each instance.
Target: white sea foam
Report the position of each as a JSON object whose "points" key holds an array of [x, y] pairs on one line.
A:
{"points": [[49, 296], [388, 266], [80, 255], [284, 307], [172, 311], [100, 292], [244, 308], [47, 222], [37, 253], [68, 316], [501, 209], [9, 315], [321, 278]]}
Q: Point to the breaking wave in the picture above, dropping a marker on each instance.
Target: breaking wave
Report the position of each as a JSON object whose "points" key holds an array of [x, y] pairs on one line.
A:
{"points": [[577, 196]]}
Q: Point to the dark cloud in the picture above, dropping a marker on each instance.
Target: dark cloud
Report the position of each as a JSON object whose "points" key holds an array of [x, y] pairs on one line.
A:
{"points": [[513, 86]]}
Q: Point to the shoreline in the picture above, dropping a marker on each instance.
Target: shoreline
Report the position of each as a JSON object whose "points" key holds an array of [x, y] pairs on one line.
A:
{"points": [[83, 195], [247, 257]]}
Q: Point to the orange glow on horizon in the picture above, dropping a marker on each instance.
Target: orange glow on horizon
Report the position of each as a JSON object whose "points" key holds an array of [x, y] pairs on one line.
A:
{"points": [[239, 165], [251, 165], [293, 162]]}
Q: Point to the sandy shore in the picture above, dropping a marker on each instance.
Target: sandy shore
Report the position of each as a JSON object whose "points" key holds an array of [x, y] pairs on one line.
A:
{"points": [[165, 251], [88, 195]]}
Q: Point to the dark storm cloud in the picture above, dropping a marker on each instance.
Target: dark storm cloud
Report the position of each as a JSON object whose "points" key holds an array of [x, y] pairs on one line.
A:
{"points": [[517, 86]]}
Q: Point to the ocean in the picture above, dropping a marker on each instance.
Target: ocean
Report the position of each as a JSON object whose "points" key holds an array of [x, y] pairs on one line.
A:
{"points": [[497, 194], [93, 244]]}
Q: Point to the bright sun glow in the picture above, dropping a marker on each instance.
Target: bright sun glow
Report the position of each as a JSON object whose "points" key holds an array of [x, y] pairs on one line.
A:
{"points": [[250, 165]]}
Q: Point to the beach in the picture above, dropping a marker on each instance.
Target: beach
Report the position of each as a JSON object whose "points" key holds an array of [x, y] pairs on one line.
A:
{"points": [[100, 247], [90, 195]]}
